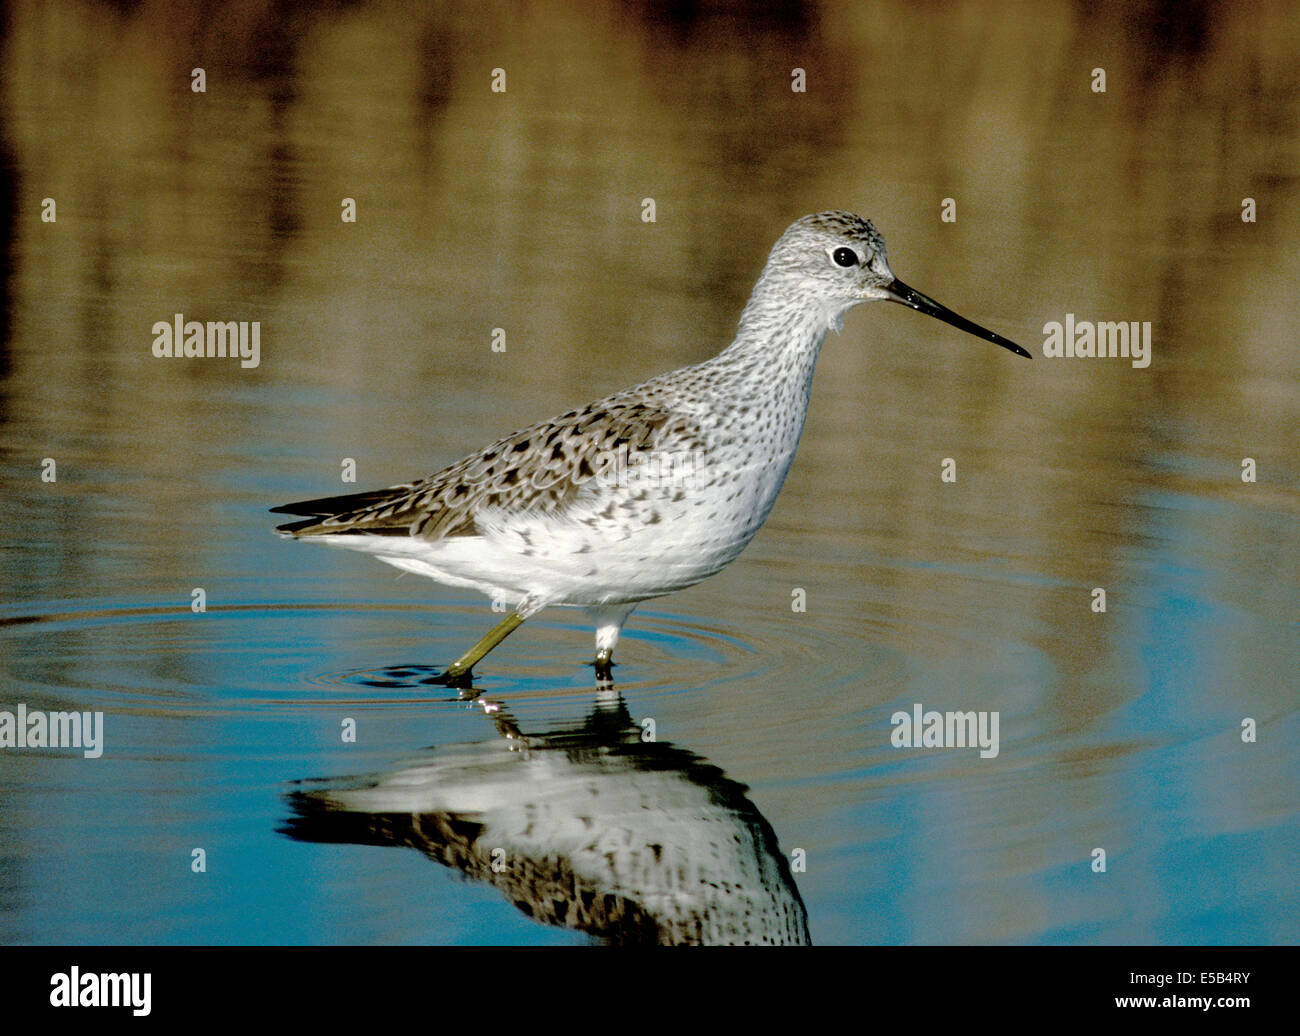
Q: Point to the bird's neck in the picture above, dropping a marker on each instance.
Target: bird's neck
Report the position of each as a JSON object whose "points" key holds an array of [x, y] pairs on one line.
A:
{"points": [[776, 345], [763, 380]]}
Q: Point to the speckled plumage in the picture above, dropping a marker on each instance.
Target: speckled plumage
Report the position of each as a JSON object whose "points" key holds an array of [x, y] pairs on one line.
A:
{"points": [[536, 519]]}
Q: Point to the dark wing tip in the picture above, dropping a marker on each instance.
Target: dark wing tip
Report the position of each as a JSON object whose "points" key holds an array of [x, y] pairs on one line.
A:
{"points": [[350, 508], [329, 506], [293, 528]]}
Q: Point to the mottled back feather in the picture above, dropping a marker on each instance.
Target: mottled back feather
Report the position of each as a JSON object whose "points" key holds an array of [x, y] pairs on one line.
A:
{"points": [[538, 469]]}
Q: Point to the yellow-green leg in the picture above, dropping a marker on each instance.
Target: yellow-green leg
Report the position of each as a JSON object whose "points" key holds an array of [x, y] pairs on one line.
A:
{"points": [[458, 673]]}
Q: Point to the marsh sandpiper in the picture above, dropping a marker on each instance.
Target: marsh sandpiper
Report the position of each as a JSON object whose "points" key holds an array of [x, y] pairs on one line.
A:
{"points": [[646, 491]]}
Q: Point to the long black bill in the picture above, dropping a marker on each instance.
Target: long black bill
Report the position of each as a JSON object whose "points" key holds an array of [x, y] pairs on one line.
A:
{"points": [[900, 292]]}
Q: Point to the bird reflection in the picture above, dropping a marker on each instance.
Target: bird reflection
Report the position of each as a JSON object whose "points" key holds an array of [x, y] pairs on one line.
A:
{"points": [[592, 829]]}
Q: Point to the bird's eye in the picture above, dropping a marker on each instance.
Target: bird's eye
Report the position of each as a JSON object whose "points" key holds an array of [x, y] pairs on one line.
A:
{"points": [[845, 257]]}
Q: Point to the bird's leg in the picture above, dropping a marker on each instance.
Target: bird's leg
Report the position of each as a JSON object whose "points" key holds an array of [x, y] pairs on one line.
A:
{"points": [[458, 674], [609, 620], [604, 668]]}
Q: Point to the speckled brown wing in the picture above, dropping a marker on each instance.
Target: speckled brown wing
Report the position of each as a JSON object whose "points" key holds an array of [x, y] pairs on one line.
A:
{"points": [[537, 469]]}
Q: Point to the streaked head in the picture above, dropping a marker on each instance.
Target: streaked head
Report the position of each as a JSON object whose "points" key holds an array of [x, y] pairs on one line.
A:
{"points": [[837, 259]]}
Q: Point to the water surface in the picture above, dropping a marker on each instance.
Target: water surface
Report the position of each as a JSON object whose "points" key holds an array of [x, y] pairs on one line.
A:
{"points": [[224, 730]]}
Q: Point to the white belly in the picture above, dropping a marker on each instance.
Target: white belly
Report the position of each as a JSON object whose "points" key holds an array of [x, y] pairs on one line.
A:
{"points": [[594, 553]]}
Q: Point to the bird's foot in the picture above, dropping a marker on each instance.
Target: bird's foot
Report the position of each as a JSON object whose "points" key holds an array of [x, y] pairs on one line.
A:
{"points": [[604, 666], [461, 680]]}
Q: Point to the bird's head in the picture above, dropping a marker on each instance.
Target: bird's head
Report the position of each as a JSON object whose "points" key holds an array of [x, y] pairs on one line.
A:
{"points": [[837, 259]]}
